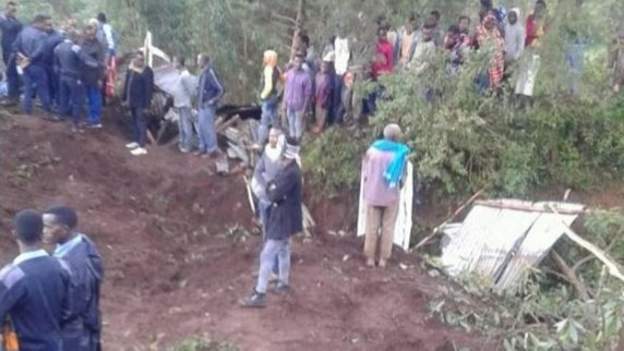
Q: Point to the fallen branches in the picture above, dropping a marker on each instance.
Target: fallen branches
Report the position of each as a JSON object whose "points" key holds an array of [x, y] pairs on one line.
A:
{"points": [[570, 276], [612, 267]]}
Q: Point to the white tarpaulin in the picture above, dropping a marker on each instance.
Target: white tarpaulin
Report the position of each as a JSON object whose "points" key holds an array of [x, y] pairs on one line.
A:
{"points": [[403, 227], [167, 78], [500, 239]]}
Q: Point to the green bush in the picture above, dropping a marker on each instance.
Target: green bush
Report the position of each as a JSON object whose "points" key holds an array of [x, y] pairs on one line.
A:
{"points": [[334, 159]]}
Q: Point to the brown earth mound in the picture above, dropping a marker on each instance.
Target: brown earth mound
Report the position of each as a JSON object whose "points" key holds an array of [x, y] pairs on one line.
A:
{"points": [[173, 236]]}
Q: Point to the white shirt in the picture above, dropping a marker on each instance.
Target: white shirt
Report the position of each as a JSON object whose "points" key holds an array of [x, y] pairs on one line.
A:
{"points": [[63, 249], [23, 257], [343, 55], [108, 32]]}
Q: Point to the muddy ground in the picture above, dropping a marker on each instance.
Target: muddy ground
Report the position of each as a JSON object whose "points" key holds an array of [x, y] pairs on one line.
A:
{"points": [[178, 256]]}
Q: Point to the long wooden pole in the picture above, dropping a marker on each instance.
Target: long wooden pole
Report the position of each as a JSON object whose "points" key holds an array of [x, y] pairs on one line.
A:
{"points": [[455, 214]]}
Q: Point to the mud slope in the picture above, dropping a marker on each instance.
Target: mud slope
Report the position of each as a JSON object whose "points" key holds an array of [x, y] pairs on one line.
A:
{"points": [[161, 223]]}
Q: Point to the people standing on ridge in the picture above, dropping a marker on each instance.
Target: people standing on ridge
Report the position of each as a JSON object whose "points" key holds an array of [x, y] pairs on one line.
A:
{"points": [[529, 69], [297, 97], [183, 94], [137, 96], [11, 28], [93, 76], [30, 50], [210, 92], [269, 96], [71, 61]]}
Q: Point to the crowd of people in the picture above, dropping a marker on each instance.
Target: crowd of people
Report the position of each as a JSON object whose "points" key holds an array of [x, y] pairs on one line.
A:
{"points": [[69, 69], [53, 301]]}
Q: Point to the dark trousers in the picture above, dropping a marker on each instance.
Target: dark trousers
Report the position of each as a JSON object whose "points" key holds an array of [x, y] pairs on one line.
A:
{"points": [[54, 84], [12, 76], [35, 78], [139, 125], [337, 115], [71, 98]]}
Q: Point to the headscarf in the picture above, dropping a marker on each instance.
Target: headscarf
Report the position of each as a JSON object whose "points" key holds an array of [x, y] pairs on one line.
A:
{"points": [[512, 31], [396, 168], [493, 38], [270, 58]]}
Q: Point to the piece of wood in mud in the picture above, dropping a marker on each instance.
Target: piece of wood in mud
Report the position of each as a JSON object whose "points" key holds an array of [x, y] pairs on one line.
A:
{"points": [[228, 124], [307, 216], [223, 166], [239, 152]]}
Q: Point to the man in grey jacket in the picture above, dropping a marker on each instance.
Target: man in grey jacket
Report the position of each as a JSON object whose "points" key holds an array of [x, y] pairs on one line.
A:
{"points": [[182, 102], [266, 170], [285, 220]]}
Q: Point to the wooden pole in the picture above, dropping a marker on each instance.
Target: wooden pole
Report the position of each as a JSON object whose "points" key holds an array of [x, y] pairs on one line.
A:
{"points": [[455, 214]]}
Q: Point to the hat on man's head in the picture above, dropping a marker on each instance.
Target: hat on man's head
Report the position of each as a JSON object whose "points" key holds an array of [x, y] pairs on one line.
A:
{"points": [[28, 226], [291, 151], [64, 215]]}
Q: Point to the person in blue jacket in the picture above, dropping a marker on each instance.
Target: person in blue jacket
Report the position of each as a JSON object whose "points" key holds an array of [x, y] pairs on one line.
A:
{"points": [[83, 329], [71, 61], [34, 289], [10, 27], [30, 48], [210, 92], [53, 39]]}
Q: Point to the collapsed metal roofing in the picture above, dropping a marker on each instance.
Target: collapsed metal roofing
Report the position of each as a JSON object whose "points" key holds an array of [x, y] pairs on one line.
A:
{"points": [[501, 239]]}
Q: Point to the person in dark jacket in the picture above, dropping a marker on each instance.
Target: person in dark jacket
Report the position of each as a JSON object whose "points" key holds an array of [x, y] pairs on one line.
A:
{"points": [[285, 220], [30, 50], [82, 330], [71, 60], [34, 289], [93, 76], [137, 96], [210, 92], [10, 27], [53, 39]]}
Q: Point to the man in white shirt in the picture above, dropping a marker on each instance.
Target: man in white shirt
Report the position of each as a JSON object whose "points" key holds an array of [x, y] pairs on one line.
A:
{"points": [[342, 54]]}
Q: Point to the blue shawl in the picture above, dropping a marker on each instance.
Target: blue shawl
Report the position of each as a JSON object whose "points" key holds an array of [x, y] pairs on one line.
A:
{"points": [[395, 169]]}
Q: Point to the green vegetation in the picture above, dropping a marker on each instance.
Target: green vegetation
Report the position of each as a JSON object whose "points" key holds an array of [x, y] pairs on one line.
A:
{"points": [[461, 141], [200, 344], [547, 312]]}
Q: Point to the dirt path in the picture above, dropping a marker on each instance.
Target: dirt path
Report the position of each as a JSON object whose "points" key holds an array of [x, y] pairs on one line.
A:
{"points": [[161, 223]]}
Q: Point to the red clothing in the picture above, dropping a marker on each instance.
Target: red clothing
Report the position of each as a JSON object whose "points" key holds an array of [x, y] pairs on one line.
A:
{"points": [[384, 60], [492, 39], [534, 30]]}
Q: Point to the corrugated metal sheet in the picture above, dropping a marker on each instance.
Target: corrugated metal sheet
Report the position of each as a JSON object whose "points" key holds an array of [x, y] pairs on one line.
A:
{"points": [[500, 239]]}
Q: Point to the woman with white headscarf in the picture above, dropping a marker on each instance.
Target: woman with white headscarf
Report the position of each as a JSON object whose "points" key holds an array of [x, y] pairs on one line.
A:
{"points": [[514, 36]]}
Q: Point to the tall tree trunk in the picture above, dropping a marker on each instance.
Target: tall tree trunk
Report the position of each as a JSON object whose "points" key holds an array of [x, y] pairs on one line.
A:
{"points": [[299, 25]]}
